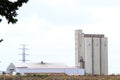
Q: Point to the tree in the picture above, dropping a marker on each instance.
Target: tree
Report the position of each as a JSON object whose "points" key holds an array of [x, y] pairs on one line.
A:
{"points": [[8, 9], [1, 40]]}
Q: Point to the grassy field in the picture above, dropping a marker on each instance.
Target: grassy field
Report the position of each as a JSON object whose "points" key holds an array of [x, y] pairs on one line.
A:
{"points": [[60, 77]]}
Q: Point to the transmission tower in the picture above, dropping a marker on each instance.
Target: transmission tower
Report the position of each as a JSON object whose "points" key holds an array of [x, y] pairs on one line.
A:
{"points": [[24, 52]]}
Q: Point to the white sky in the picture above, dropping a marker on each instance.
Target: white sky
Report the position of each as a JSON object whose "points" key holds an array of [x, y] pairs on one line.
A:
{"points": [[47, 27]]}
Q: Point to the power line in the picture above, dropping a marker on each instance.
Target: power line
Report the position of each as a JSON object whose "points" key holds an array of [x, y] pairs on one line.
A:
{"points": [[24, 52]]}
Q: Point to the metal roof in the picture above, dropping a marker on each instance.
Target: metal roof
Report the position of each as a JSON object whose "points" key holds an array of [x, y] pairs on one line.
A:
{"points": [[39, 65]]}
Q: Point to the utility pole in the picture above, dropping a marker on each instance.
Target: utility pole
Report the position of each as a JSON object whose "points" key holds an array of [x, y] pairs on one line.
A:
{"points": [[24, 52]]}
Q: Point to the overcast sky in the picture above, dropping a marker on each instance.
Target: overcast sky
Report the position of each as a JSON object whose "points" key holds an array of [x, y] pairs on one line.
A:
{"points": [[47, 28]]}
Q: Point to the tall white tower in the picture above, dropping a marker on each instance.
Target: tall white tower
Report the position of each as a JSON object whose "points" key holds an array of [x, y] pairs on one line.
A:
{"points": [[91, 52]]}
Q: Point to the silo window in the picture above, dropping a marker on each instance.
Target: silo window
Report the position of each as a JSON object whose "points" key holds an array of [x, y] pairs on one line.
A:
{"points": [[89, 44], [97, 44], [105, 44], [80, 45]]}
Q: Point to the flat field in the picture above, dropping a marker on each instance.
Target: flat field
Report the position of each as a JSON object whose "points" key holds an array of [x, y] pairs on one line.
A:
{"points": [[60, 77]]}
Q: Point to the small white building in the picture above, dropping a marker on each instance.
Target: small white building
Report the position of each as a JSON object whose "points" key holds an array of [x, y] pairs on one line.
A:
{"points": [[35, 68]]}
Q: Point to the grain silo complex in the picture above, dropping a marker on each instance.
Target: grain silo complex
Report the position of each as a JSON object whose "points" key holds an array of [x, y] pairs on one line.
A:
{"points": [[91, 52]]}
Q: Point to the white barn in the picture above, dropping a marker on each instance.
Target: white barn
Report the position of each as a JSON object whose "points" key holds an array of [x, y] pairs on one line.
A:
{"points": [[34, 68]]}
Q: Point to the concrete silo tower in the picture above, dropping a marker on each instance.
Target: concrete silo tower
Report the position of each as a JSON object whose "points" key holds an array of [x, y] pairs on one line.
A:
{"points": [[91, 52]]}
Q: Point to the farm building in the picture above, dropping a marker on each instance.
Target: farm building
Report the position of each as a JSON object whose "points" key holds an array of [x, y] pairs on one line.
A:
{"points": [[49, 68]]}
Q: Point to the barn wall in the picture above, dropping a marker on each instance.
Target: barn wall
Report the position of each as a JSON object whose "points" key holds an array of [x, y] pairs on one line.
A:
{"points": [[69, 71]]}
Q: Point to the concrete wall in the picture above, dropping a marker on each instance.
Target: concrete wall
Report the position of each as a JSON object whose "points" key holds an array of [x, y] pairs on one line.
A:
{"points": [[96, 56], [104, 56], [79, 47], [88, 55]]}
